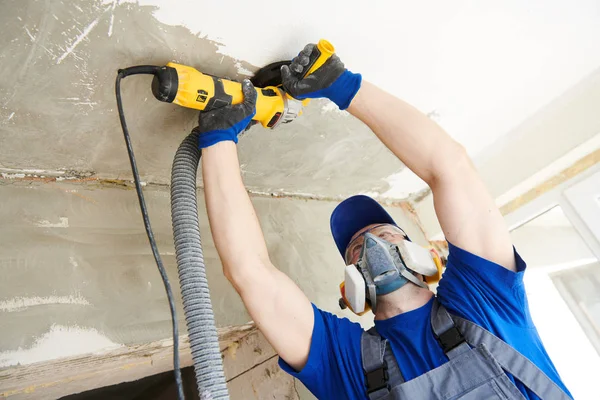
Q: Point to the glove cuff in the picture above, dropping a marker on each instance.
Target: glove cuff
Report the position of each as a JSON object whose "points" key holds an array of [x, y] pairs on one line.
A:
{"points": [[343, 90], [207, 139], [213, 137]]}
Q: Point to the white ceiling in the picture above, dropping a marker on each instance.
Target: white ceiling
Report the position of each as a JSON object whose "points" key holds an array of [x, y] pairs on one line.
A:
{"points": [[482, 66]]}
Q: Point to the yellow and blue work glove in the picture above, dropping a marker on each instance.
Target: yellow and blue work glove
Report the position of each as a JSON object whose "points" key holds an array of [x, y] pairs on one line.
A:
{"points": [[331, 80], [226, 123]]}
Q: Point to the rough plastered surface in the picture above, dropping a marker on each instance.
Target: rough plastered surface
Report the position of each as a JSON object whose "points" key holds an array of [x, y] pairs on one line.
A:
{"points": [[478, 68], [59, 341], [91, 282], [58, 108]]}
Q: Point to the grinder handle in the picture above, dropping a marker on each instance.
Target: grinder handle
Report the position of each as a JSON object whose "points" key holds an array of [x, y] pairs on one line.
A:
{"points": [[321, 53], [324, 49]]}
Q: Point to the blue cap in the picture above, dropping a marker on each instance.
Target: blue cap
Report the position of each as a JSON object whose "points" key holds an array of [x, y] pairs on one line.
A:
{"points": [[353, 214]]}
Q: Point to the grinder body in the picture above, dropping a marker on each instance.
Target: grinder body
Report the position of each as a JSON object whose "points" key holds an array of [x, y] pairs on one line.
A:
{"points": [[188, 87]]}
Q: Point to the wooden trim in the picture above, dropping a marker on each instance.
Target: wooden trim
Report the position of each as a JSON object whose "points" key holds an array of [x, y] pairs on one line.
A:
{"points": [[578, 167], [60, 377]]}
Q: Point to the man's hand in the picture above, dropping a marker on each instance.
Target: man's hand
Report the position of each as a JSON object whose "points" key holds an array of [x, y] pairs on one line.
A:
{"points": [[226, 123], [331, 80]]}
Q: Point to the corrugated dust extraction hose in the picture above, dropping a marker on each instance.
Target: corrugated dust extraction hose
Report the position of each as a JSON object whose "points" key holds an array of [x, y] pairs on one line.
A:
{"points": [[204, 342], [197, 306]]}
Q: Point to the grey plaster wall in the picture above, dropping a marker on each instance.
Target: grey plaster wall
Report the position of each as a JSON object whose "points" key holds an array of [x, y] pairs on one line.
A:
{"points": [[76, 272], [76, 254], [58, 63]]}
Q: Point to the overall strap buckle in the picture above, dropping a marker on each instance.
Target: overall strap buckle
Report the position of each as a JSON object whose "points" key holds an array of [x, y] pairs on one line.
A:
{"points": [[377, 379], [380, 368], [447, 334], [450, 339]]}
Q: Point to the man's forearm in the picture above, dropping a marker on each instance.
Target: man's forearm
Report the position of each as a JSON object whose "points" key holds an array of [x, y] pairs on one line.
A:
{"points": [[233, 222], [415, 139]]}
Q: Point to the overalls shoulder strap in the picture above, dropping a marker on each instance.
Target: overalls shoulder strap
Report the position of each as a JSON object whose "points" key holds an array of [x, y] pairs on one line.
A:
{"points": [[453, 331], [445, 331], [379, 365], [455, 336]]}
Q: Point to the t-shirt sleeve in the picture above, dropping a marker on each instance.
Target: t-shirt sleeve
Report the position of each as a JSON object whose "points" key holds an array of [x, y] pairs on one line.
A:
{"points": [[334, 367], [483, 291]]}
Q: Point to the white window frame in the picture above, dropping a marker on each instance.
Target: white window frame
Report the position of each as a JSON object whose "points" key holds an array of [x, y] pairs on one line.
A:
{"points": [[556, 197]]}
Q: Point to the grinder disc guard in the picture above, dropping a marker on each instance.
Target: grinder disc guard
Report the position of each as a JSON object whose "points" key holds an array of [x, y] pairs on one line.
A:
{"points": [[269, 75]]}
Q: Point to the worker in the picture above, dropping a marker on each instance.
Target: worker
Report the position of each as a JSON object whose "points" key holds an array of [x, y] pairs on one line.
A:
{"points": [[475, 339]]}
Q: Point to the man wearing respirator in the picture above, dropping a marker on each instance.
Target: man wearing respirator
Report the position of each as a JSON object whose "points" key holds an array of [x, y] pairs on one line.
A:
{"points": [[474, 340]]}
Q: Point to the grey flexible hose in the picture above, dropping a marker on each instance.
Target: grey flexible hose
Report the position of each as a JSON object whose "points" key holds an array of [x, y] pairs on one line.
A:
{"points": [[197, 307]]}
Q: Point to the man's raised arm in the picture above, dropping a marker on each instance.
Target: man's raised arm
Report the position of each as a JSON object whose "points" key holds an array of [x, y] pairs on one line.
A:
{"points": [[464, 207], [278, 307], [466, 211]]}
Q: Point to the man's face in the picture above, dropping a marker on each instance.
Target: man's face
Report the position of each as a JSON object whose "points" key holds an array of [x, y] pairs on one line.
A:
{"points": [[388, 232]]}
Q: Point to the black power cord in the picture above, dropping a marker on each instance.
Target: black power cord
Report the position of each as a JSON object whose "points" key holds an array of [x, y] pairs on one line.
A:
{"points": [[152, 70]]}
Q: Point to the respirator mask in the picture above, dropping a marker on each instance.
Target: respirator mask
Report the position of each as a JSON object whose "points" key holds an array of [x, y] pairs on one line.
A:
{"points": [[384, 267]]}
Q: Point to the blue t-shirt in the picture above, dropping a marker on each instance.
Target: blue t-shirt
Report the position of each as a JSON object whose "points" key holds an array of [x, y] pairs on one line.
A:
{"points": [[472, 287]]}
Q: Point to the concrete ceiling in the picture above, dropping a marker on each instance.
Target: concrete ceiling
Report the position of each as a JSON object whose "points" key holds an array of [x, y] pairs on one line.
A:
{"points": [[479, 68]]}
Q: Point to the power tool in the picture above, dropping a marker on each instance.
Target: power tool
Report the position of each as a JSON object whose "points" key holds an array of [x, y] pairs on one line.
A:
{"points": [[188, 87]]}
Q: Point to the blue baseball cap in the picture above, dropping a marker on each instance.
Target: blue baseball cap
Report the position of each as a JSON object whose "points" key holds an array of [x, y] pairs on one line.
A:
{"points": [[353, 214]]}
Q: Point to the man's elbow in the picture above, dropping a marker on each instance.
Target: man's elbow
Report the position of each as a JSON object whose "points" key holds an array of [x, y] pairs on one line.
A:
{"points": [[248, 274], [453, 164]]}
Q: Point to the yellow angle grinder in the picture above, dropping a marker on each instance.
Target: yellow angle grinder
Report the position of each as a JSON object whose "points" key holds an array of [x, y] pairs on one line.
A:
{"points": [[188, 87]]}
